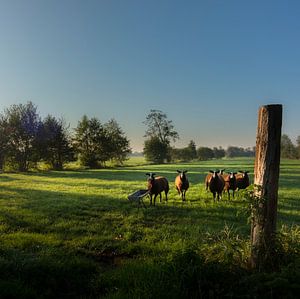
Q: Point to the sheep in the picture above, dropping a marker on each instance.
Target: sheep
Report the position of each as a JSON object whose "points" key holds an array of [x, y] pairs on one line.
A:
{"points": [[242, 180], [156, 186], [216, 184], [208, 177], [230, 183], [182, 183]]}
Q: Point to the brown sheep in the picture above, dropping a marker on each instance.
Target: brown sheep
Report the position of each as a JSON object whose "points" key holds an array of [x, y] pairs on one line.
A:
{"points": [[230, 183], [216, 184], [208, 178], [242, 180], [156, 186], [182, 183]]}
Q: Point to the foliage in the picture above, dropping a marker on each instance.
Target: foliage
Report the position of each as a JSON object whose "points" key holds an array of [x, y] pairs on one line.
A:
{"points": [[23, 124], [288, 150], [54, 142], [219, 152], [185, 154], [91, 142], [159, 126], [205, 153], [233, 151], [155, 151], [4, 138], [118, 144], [160, 131], [96, 143]]}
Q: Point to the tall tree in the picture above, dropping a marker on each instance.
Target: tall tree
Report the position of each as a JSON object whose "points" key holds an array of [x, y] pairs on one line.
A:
{"points": [[205, 153], [160, 131], [159, 126], [288, 149], [155, 151], [118, 145], [218, 152], [298, 147], [4, 138], [192, 151], [54, 140], [23, 124], [91, 142]]}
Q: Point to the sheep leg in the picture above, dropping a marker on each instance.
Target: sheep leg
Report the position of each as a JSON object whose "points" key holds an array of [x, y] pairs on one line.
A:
{"points": [[150, 199], [154, 199]]}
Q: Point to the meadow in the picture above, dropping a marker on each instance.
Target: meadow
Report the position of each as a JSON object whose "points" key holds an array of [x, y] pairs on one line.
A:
{"points": [[74, 234]]}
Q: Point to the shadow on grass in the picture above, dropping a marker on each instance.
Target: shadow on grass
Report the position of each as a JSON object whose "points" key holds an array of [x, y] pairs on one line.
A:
{"points": [[44, 209]]}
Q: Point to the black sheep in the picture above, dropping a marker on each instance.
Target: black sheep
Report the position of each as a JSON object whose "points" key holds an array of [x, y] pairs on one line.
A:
{"points": [[242, 180], [216, 184], [208, 178]]}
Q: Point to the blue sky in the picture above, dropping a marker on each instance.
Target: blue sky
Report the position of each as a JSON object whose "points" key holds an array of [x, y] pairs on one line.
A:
{"points": [[208, 65]]}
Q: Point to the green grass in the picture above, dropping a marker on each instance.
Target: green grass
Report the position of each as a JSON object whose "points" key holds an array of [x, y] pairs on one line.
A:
{"points": [[74, 234]]}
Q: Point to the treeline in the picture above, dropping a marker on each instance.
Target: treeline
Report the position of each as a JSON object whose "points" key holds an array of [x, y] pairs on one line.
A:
{"points": [[159, 134], [190, 153], [289, 150], [26, 139]]}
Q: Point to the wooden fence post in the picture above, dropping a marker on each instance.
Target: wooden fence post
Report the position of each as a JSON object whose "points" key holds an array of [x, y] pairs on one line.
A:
{"points": [[266, 176]]}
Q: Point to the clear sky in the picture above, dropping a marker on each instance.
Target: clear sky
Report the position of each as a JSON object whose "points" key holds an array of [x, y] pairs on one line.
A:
{"points": [[208, 65]]}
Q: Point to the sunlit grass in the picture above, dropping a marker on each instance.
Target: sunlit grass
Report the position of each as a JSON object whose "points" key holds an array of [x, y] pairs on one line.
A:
{"points": [[61, 220]]}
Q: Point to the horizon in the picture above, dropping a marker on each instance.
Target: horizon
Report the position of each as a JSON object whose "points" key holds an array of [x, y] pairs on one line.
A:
{"points": [[209, 65]]}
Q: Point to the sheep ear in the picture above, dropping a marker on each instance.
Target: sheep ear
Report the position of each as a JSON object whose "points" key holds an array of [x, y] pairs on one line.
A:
{"points": [[241, 171], [148, 173], [185, 171], [235, 173], [211, 171], [178, 171]]}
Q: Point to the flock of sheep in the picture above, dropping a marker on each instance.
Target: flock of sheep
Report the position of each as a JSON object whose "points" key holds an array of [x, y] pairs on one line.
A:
{"points": [[216, 182]]}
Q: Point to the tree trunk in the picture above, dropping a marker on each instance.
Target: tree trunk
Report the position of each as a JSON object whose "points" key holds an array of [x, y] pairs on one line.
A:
{"points": [[266, 176]]}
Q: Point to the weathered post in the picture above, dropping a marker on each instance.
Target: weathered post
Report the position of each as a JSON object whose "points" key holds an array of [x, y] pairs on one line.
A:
{"points": [[266, 176]]}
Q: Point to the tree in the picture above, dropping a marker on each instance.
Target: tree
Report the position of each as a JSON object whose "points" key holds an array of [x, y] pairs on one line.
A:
{"points": [[54, 140], [192, 151], [118, 145], [205, 153], [298, 147], [288, 150], [218, 152], [91, 142], [160, 131], [155, 151], [4, 138], [23, 124], [184, 154]]}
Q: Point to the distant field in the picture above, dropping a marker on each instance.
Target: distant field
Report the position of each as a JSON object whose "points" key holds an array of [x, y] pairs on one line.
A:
{"points": [[73, 233]]}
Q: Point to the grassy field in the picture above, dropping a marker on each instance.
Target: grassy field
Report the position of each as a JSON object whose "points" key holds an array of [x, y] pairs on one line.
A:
{"points": [[74, 234]]}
